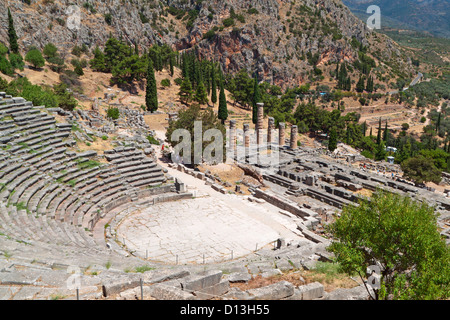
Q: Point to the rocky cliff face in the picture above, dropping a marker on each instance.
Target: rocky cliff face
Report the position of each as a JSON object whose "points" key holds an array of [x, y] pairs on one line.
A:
{"points": [[272, 37]]}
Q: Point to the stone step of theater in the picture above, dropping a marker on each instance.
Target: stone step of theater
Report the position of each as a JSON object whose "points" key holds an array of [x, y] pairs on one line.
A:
{"points": [[51, 197]]}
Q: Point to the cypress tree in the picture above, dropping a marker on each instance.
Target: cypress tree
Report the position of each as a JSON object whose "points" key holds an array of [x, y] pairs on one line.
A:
{"points": [[332, 142], [13, 45], [360, 85], [201, 95], [337, 70], [151, 95], [379, 133], [171, 65], [255, 100], [386, 133], [185, 92], [223, 109], [438, 122], [213, 85], [364, 128]]}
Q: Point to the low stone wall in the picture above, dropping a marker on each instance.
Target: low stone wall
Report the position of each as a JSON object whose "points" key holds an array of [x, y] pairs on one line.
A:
{"points": [[282, 203], [155, 190]]}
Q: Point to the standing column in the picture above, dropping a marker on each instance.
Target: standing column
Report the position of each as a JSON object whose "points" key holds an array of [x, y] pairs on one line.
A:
{"points": [[294, 131], [270, 127], [246, 140], [246, 135], [233, 137], [281, 138], [259, 123]]}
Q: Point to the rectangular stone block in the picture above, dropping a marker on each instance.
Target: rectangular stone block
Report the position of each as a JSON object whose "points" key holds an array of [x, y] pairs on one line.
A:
{"points": [[164, 292], [311, 291], [213, 291], [201, 281], [156, 276], [115, 287], [276, 291]]}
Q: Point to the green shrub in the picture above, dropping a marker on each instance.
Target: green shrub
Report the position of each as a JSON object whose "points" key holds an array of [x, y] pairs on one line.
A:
{"points": [[209, 35], [35, 58], [113, 113], [16, 61], [165, 82], [108, 18], [5, 66], [152, 140], [50, 50], [228, 22]]}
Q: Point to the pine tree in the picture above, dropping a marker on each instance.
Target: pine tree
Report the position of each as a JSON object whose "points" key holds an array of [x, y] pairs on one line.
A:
{"points": [[213, 85], [151, 95], [256, 98], [223, 109], [13, 45]]}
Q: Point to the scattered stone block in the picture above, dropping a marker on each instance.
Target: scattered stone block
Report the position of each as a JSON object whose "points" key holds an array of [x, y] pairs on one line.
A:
{"points": [[165, 292], [113, 287], [239, 277], [201, 281], [156, 276], [213, 291], [356, 293], [311, 291], [275, 291]]}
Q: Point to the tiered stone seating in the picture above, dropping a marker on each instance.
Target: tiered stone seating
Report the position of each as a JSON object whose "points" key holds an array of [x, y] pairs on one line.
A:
{"points": [[48, 198]]}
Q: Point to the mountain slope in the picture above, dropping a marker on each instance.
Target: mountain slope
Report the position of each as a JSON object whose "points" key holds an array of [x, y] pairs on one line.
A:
{"points": [[285, 42]]}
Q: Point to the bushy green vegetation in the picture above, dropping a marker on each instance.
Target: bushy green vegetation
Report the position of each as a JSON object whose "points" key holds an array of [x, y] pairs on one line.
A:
{"points": [[126, 64], [51, 97], [401, 237]]}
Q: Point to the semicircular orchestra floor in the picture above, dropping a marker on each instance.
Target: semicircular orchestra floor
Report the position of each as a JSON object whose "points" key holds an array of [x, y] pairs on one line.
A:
{"points": [[203, 230]]}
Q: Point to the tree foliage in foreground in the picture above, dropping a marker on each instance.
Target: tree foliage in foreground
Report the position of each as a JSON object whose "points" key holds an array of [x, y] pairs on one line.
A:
{"points": [[399, 235]]}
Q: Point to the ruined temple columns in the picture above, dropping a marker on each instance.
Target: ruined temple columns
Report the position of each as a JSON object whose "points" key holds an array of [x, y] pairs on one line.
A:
{"points": [[293, 141], [259, 123], [281, 138]]}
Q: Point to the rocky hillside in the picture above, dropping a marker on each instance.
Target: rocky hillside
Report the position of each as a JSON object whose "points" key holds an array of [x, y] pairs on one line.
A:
{"points": [[284, 41]]}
